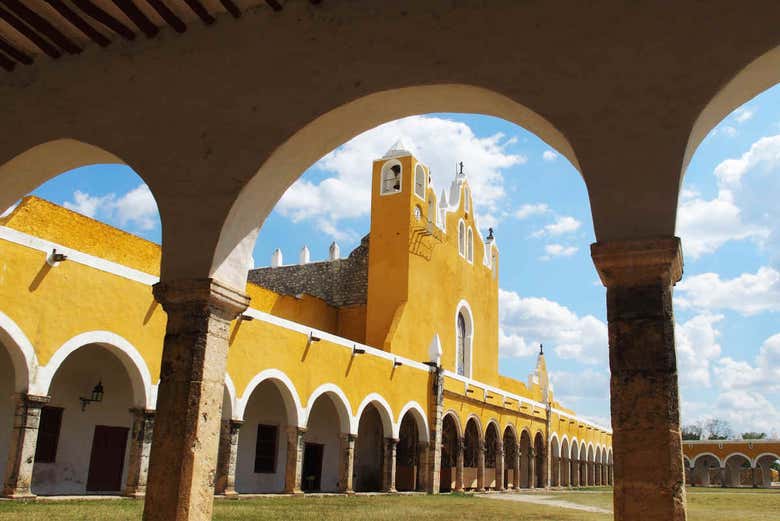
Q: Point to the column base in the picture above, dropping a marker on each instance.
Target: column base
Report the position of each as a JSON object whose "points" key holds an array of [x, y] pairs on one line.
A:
{"points": [[135, 494], [231, 494], [21, 496]]}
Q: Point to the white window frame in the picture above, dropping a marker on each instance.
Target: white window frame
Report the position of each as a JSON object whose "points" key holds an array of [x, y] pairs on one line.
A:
{"points": [[420, 170], [385, 169], [468, 344], [461, 238], [470, 245]]}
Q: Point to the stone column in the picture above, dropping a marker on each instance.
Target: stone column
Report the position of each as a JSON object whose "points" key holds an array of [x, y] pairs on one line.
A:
{"points": [[293, 473], [21, 450], [575, 473], [459, 466], [516, 467], [388, 466], [481, 466], [227, 457], [500, 466], [639, 276], [723, 474], [531, 468], [183, 459], [347, 468], [138, 458], [432, 472], [754, 474]]}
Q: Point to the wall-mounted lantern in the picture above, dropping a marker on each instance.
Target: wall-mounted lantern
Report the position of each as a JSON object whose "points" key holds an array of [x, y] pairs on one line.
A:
{"points": [[96, 396]]}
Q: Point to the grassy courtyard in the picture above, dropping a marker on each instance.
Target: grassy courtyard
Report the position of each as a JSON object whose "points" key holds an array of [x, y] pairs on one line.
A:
{"points": [[704, 505]]}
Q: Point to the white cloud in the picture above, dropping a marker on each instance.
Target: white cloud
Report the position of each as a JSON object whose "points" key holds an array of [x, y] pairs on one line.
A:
{"points": [[438, 142], [747, 411], [697, 349], [764, 375], [134, 210], [549, 155], [528, 210], [590, 383], [526, 322], [743, 114], [563, 224], [747, 294], [558, 250]]}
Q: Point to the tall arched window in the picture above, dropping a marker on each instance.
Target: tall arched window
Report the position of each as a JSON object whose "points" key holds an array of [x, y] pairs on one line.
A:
{"points": [[460, 354], [470, 246], [466, 199], [391, 178], [461, 238], [419, 182]]}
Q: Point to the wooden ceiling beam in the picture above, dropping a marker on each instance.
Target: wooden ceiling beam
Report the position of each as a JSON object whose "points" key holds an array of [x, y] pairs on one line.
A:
{"points": [[6, 62], [40, 42], [41, 25], [168, 15], [138, 18], [78, 22], [14, 53], [274, 4], [231, 8], [201, 11], [92, 10]]}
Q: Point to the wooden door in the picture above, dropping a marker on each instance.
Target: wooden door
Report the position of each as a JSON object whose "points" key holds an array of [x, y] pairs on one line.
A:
{"points": [[312, 467], [107, 460]]}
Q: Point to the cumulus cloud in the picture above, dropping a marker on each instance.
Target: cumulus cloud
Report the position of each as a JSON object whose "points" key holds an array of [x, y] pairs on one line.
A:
{"points": [[558, 250], [697, 349], [549, 155], [588, 384], [743, 114], [747, 294], [562, 225], [763, 375], [346, 191], [134, 210], [526, 322], [528, 210], [748, 411]]}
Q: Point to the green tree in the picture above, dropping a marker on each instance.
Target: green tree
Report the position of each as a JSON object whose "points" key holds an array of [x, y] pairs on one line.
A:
{"points": [[692, 431], [753, 435]]}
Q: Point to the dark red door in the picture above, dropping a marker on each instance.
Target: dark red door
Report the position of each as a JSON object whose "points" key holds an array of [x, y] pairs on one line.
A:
{"points": [[107, 459]]}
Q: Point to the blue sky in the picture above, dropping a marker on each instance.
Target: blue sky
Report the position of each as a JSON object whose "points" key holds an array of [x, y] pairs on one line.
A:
{"points": [[726, 306]]}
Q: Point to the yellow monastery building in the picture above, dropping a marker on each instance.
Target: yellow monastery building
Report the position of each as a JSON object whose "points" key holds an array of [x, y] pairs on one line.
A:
{"points": [[373, 372]]}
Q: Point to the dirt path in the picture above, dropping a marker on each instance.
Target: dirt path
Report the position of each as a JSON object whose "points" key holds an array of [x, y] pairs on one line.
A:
{"points": [[545, 500]]}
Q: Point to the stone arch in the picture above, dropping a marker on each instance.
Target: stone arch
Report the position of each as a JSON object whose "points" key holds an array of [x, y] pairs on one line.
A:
{"points": [[135, 365], [763, 455], [511, 461], [340, 402], [565, 462], [541, 459], [336, 126], [492, 441], [472, 444], [389, 427], [734, 464], [574, 463], [416, 412], [24, 362], [374, 426], [762, 465], [526, 466], [590, 466], [706, 469], [597, 465], [450, 451], [286, 388], [229, 399], [705, 454], [555, 461]]}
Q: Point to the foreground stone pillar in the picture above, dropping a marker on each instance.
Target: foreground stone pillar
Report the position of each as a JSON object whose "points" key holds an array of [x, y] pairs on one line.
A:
{"points": [[227, 458], [459, 465], [516, 468], [347, 468], [138, 457], [293, 473], [21, 450], [575, 473], [481, 466], [500, 466], [189, 400], [388, 466], [432, 473], [639, 276], [531, 468]]}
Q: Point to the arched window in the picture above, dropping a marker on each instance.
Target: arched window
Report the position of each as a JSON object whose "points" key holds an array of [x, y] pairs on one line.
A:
{"points": [[460, 354], [391, 178], [466, 199], [461, 238], [470, 247], [419, 182]]}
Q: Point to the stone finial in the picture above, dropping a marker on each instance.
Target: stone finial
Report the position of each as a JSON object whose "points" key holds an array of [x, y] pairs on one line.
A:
{"points": [[434, 350], [334, 253], [276, 258], [305, 256], [398, 149], [443, 203]]}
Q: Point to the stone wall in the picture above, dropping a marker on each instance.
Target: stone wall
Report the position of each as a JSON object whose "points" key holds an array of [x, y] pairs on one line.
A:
{"points": [[341, 282]]}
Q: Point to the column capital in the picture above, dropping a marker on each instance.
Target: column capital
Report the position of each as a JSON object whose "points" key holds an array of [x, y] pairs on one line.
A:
{"points": [[33, 400], [222, 300], [638, 262], [142, 411], [392, 441], [295, 429]]}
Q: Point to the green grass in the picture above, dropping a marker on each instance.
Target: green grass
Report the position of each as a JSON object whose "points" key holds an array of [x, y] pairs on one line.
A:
{"points": [[704, 505]]}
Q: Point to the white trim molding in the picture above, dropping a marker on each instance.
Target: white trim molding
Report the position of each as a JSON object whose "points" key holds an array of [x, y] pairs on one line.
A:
{"points": [[286, 388], [21, 352], [340, 402], [420, 418]]}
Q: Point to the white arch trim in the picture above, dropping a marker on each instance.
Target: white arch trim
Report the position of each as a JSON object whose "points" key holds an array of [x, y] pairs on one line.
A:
{"points": [[420, 419], [733, 454], [554, 436], [591, 454], [456, 419], [496, 425], [389, 427], [231, 390], [512, 428], [471, 330], [480, 431], [704, 454], [565, 443], [340, 401], [292, 401], [137, 371], [21, 352], [757, 458]]}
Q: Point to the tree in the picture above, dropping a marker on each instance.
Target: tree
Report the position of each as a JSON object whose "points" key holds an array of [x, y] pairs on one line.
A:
{"points": [[692, 432], [718, 429], [753, 435]]}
